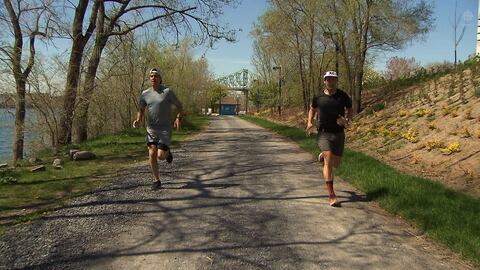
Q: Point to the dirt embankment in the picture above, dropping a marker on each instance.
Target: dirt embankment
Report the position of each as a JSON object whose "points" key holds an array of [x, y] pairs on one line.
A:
{"points": [[431, 129]]}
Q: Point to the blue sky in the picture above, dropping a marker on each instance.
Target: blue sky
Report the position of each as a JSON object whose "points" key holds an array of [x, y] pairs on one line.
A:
{"points": [[437, 46], [228, 57]]}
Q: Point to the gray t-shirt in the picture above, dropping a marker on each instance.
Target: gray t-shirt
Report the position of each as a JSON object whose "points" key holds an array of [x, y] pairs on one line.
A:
{"points": [[159, 108]]}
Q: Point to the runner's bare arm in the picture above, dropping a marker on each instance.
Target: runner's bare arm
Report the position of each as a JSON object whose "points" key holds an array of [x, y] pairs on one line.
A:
{"points": [[311, 115], [349, 114], [344, 121], [139, 116], [179, 107]]}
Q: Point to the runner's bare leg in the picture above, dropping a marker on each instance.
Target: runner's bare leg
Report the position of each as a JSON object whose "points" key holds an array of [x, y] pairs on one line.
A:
{"points": [[328, 174], [152, 154]]}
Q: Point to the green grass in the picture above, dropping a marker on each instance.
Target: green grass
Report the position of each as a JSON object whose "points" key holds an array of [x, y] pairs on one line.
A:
{"points": [[40, 191], [451, 218]]}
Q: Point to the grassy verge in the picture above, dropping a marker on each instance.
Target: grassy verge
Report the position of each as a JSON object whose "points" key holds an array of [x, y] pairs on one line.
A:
{"points": [[25, 195], [449, 217]]}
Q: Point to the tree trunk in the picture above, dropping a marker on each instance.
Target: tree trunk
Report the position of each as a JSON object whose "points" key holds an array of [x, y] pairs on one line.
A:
{"points": [[302, 73], [18, 141], [20, 77], [130, 94], [74, 65], [357, 96], [71, 85], [81, 127], [363, 55], [349, 72], [311, 76]]}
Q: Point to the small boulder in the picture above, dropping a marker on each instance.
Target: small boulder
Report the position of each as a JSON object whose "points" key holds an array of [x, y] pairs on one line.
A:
{"points": [[38, 168], [4, 165], [84, 155], [72, 153], [34, 160], [58, 164]]}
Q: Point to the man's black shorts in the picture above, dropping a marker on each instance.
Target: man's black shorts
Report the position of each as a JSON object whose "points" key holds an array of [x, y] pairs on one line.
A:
{"points": [[331, 141]]}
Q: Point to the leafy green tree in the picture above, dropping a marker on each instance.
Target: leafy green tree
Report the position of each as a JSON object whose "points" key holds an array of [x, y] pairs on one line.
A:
{"points": [[215, 93]]}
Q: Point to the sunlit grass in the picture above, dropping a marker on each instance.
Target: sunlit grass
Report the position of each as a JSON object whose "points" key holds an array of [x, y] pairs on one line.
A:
{"points": [[452, 218], [36, 192]]}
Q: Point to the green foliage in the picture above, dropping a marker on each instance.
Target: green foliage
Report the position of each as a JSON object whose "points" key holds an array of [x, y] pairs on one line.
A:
{"points": [[190, 78], [215, 93], [471, 63], [449, 110], [123, 75], [304, 57], [7, 179], [256, 96], [410, 135], [22, 188], [375, 108], [403, 113], [451, 88], [476, 91], [378, 107], [263, 95], [431, 118], [431, 72], [451, 148], [420, 112], [372, 78], [423, 94]]}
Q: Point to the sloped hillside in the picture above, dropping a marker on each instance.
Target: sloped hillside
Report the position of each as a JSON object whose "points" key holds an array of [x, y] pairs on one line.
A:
{"points": [[431, 129]]}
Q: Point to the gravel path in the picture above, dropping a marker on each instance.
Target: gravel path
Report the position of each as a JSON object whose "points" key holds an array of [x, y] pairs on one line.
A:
{"points": [[235, 197]]}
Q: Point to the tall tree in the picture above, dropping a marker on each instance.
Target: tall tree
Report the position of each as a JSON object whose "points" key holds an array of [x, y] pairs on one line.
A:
{"points": [[25, 20], [363, 26], [288, 35], [79, 41], [117, 19], [44, 91], [215, 94], [122, 75]]}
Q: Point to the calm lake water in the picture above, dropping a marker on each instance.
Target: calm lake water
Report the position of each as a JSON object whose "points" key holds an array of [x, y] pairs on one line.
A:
{"points": [[7, 129]]}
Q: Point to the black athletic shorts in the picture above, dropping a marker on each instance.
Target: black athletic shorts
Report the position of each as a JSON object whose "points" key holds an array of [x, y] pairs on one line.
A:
{"points": [[331, 141]]}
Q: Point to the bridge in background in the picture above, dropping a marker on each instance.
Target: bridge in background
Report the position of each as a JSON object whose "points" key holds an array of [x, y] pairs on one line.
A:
{"points": [[239, 81]]}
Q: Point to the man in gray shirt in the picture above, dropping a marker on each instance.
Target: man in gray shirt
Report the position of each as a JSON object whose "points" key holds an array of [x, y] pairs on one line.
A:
{"points": [[158, 100]]}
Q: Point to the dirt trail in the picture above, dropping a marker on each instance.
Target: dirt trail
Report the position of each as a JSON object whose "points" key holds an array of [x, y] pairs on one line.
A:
{"points": [[237, 197]]}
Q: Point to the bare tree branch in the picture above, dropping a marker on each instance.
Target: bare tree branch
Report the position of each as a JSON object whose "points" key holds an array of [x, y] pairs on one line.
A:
{"points": [[129, 29]]}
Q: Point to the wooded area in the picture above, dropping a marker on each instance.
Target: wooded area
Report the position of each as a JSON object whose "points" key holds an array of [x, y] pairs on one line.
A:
{"points": [[296, 41], [112, 44]]}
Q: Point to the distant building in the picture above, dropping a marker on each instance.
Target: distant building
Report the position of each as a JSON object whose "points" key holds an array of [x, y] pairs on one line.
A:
{"points": [[228, 106]]}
